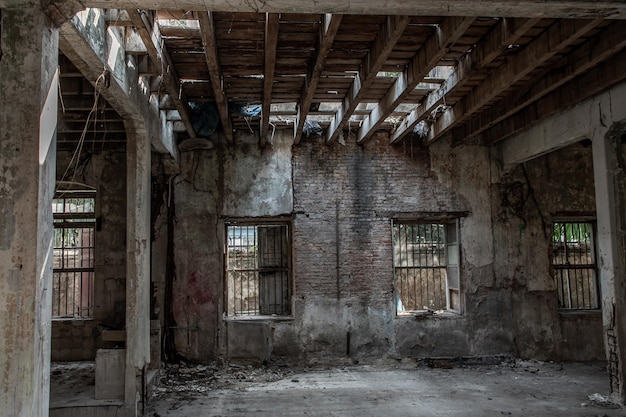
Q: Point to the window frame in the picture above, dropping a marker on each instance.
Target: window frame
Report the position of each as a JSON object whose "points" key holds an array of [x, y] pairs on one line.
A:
{"points": [[230, 312], [592, 267], [65, 220], [452, 267]]}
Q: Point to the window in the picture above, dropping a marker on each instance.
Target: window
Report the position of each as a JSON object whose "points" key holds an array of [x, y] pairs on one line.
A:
{"points": [[74, 244], [426, 266], [258, 269], [574, 265]]}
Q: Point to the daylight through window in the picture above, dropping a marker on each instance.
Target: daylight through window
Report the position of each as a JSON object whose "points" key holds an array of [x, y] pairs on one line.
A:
{"points": [[426, 266], [574, 265], [74, 244], [258, 269]]}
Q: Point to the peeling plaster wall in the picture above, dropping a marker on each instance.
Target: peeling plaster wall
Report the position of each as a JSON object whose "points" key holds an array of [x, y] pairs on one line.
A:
{"points": [[79, 339], [342, 199], [562, 183]]}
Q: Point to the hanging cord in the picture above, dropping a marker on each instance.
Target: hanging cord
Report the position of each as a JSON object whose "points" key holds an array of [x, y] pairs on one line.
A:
{"points": [[75, 160]]}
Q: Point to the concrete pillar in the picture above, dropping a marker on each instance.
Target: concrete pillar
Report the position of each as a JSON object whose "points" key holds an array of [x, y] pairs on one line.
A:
{"points": [[608, 166], [138, 259], [28, 99]]}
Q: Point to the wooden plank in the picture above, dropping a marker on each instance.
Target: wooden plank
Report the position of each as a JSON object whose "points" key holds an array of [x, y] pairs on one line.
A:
{"points": [[271, 39], [210, 51], [149, 33], [603, 76], [390, 33], [586, 56], [551, 42], [507, 32], [588, 9], [428, 56], [327, 35]]}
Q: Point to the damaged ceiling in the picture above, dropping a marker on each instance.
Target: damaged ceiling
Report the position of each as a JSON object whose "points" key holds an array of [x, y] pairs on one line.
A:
{"points": [[474, 78]]}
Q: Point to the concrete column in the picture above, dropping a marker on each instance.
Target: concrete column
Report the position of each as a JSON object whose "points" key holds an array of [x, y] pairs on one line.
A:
{"points": [[608, 166], [28, 99], [138, 259]]}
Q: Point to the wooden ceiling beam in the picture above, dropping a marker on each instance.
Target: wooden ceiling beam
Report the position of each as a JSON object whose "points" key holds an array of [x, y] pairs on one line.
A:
{"points": [[150, 35], [426, 58], [538, 52], [383, 45], [271, 39], [507, 32], [328, 31], [586, 56], [207, 30], [588, 9], [601, 77]]}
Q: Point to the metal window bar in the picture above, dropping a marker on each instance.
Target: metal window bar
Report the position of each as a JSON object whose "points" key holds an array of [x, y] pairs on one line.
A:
{"points": [[258, 270], [574, 265], [420, 266], [73, 269]]}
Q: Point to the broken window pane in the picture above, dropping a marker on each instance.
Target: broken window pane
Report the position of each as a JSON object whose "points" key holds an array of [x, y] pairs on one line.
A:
{"points": [[258, 270], [73, 261], [574, 265], [425, 257]]}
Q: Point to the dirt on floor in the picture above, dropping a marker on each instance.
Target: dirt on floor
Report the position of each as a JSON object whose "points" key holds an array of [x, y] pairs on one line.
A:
{"points": [[406, 388]]}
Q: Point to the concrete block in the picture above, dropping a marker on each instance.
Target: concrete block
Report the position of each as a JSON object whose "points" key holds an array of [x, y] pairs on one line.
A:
{"points": [[110, 370]]}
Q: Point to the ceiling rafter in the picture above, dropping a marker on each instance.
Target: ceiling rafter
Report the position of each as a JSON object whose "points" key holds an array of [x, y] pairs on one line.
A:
{"points": [[586, 56], [551, 42], [151, 37], [207, 31], [603, 76], [507, 32], [383, 45], [428, 56], [328, 31], [271, 39]]}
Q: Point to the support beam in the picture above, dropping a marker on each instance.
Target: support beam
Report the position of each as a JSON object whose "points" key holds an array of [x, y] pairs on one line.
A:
{"points": [[586, 56], [433, 50], [209, 42], [608, 170], [383, 45], [588, 9], [551, 42], [565, 128], [151, 37], [598, 79], [138, 194], [506, 32], [102, 62], [330, 26], [271, 39], [29, 94]]}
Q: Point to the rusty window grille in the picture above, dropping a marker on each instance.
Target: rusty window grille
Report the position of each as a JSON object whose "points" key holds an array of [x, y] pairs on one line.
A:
{"points": [[574, 265], [426, 266], [73, 261], [258, 270]]}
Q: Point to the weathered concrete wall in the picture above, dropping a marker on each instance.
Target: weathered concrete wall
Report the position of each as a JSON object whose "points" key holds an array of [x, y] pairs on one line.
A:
{"points": [[106, 170], [342, 200], [28, 94], [559, 183]]}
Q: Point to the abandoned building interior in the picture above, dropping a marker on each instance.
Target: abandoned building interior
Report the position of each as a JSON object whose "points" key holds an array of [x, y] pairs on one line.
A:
{"points": [[327, 182]]}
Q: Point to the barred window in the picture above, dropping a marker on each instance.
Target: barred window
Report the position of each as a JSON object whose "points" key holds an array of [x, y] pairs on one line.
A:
{"points": [[74, 246], [426, 266], [258, 269], [574, 265]]}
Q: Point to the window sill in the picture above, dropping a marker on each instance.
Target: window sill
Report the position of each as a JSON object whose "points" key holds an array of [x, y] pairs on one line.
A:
{"points": [[257, 318], [72, 318], [425, 315], [573, 313]]}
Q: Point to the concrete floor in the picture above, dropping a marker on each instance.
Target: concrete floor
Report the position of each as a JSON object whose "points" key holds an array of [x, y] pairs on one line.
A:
{"points": [[521, 388]]}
